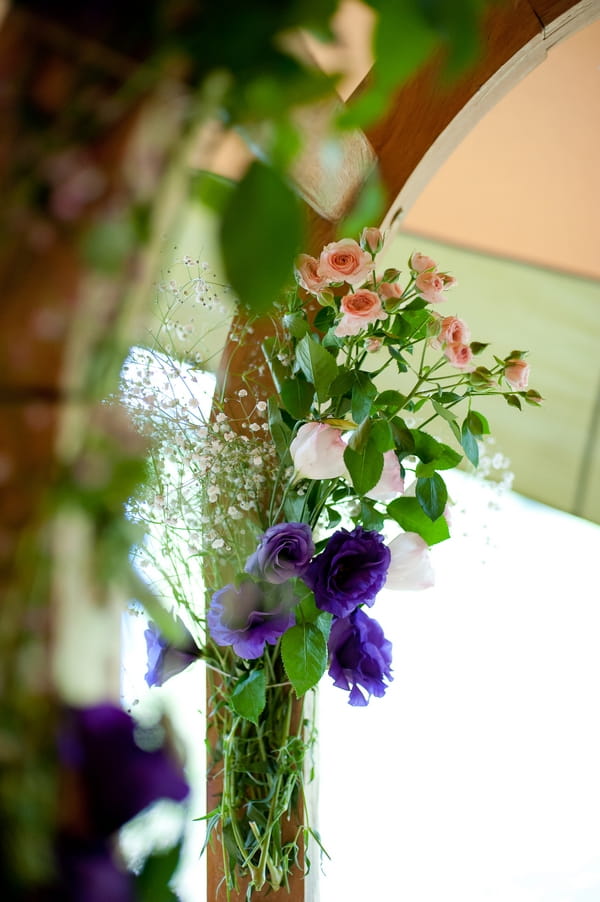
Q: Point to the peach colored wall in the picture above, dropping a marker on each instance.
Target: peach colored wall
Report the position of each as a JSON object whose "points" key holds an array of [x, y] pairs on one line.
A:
{"points": [[525, 183]]}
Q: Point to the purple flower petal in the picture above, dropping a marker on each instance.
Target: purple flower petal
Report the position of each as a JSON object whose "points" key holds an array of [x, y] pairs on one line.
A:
{"points": [[284, 551], [359, 656], [166, 660], [350, 571], [247, 618], [120, 778], [88, 873]]}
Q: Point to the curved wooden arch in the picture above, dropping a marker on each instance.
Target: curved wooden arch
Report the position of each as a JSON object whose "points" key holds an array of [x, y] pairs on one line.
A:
{"points": [[437, 115]]}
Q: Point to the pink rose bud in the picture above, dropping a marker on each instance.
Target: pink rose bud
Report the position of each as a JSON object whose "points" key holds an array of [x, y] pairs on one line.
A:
{"points": [[410, 566], [373, 344], [448, 280], [453, 329], [391, 483], [371, 239], [318, 452], [390, 290], [345, 261], [516, 373], [307, 276], [459, 355], [421, 263], [430, 286]]}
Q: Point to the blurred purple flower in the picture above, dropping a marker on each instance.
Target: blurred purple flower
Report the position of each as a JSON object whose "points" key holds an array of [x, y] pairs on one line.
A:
{"points": [[359, 655], [89, 873], [166, 660], [247, 617], [350, 571], [118, 777], [284, 551]]}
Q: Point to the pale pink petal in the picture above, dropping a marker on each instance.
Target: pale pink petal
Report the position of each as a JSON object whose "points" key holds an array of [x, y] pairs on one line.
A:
{"points": [[318, 452], [410, 565], [391, 483]]}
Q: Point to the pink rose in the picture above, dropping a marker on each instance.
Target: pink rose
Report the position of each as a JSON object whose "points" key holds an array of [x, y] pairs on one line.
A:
{"points": [[371, 239], [410, 566], [373, 344], [345, 261], [430, 286], [459, 355], [359, 308], [516, 373], [452, 330], [391, 483], [420, 263], [390, 290], [447, 279], [318, 452], [307, 275]]}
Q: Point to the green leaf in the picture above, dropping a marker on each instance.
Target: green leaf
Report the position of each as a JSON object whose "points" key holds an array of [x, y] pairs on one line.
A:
{"points": [[409, 514], [443, 412], [432, 495], [381, 435], [370, 517], [152, 882], [403, 436], [304, 654], [297, 396], [260, 223], [469, 443], [363, 392], [280, 432], [365, 467], [296, 324], [210, 190], [279, 372], [513, 401], [317, 364], [430, 451], [248, 699], [477, 423], [391, 401]]}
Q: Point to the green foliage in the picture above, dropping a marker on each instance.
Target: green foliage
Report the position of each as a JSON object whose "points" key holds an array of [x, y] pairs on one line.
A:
{"points": [[260, 234], [410, 515], [248, 698], [304, 653], [152, 882]]}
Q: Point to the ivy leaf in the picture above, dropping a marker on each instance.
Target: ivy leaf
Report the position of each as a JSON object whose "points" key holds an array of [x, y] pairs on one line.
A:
{"points": [[317, 364], [365, 467], [469, 443], [409, 514], [261, 221], [432, 495], [297, 396], [249, 696], [304, 653]]}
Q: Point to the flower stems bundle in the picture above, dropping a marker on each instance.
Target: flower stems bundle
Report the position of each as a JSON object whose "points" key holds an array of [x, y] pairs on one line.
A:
{"points": [[349, 503]]}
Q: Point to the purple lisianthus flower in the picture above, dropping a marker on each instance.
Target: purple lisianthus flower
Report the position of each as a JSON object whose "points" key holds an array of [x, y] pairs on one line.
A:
{"points": [[118, 778], [350, 571], [88, 872], [247, 617], [284, 551], [166, 660], [359, 655]]}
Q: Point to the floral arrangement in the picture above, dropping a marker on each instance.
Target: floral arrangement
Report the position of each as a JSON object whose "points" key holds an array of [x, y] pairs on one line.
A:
{"points": [[297, 513]]}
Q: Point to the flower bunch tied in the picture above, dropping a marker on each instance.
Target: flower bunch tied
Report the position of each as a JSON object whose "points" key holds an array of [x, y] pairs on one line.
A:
{"points": [[369, 374], [350, 451]]}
